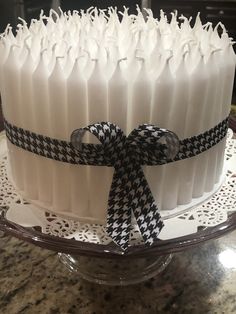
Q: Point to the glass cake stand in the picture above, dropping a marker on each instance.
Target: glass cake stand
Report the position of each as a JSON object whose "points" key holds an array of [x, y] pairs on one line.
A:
{"points": [[86, 249]]}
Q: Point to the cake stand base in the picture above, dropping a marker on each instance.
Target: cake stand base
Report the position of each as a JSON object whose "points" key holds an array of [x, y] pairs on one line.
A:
{"points": [[115, 272]]}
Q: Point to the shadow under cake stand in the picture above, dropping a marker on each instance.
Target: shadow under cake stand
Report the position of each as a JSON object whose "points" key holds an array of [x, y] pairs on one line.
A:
{"points": [[87, 250]]}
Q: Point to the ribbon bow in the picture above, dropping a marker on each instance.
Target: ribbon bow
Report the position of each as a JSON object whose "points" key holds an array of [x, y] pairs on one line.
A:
{"points": [[130, 193]]}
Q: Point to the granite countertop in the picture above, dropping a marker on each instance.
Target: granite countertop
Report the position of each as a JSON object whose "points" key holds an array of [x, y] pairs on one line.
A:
{"points": [[199, 280]]}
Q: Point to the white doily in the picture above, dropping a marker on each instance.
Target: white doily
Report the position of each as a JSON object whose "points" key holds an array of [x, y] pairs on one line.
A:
{"points": [[208, 214]]}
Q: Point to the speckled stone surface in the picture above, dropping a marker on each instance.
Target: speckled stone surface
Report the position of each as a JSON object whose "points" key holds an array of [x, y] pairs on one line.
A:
{"points": [[32, 281]]}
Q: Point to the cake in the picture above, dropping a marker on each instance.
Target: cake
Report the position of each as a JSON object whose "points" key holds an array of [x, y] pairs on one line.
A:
{"points": [[67, 71]]}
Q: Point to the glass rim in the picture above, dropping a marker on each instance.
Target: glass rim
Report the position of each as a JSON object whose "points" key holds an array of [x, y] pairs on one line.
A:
{"points": [[111, 250]]}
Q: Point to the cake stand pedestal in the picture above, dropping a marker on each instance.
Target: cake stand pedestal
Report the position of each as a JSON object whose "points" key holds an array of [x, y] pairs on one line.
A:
{"points": [[115, 272], [86, 249]]}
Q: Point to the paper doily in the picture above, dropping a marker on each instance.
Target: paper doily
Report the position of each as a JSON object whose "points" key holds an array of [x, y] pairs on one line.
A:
{"points": [[210, 213]]}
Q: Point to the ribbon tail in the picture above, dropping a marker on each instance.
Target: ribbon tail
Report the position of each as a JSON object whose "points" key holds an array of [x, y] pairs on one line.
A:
{"points": [[119, 213], [146, 211], [149, 222]]}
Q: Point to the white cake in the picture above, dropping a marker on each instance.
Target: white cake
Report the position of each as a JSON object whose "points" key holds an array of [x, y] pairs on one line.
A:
{"points": [[66, 72]]}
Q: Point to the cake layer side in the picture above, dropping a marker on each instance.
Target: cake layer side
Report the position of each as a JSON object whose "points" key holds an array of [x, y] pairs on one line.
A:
{"points": [[77, 70]]}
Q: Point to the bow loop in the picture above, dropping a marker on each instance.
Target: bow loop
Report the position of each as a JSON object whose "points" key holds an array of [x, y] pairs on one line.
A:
{"points": [[110, 135], [107, 133], [153, 145]]}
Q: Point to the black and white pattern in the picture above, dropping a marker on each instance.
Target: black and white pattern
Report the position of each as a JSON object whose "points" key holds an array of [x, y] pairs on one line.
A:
{"points": [[129, 193]]}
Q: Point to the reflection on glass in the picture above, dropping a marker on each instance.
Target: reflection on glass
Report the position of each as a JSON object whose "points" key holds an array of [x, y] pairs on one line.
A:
{"points": [[228, 258]]}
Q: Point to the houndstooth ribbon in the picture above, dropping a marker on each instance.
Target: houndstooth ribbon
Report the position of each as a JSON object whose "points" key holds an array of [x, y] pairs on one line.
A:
{"points": [[129, 189], [129, 193]]}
